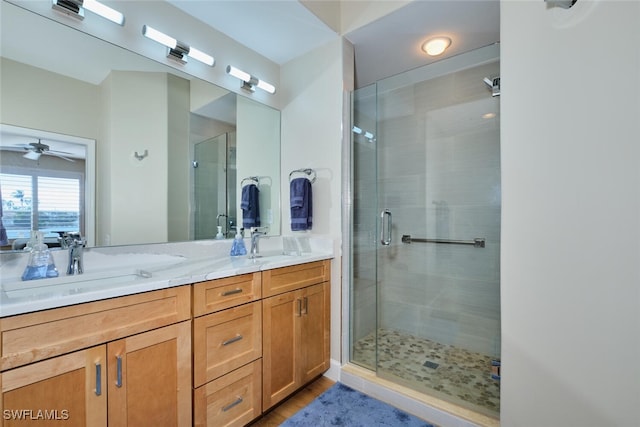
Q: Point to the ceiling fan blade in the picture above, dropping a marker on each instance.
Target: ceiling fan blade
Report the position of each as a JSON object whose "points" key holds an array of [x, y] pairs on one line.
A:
{"points": [[58, 152], [49, 153]]}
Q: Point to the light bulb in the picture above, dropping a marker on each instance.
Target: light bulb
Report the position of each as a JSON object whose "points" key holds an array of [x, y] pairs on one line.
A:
{"points": [[159, 37], [237, 73], [201, 56], [436, 46], [104, 11]]}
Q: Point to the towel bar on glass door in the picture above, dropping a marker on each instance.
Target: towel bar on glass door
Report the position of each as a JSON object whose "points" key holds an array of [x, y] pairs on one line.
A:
{"points": [[476, 243]]}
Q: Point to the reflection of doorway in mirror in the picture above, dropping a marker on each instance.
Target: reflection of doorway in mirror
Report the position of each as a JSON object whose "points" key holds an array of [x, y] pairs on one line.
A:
{"points": [[214, 173]]}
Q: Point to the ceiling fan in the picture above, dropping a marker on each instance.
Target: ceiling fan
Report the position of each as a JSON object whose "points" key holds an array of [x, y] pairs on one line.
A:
{"points": [[36, 149]]}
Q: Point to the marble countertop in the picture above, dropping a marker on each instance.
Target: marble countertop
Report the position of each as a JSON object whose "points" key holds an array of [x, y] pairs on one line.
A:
{"points": [[127, 270]]}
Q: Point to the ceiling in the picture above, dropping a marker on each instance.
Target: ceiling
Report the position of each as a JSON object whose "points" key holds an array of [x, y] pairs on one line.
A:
{"points": [[282, 30]]}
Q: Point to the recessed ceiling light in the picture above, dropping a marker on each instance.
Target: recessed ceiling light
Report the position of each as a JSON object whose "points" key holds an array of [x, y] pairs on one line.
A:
{"points": [[436, 46]]}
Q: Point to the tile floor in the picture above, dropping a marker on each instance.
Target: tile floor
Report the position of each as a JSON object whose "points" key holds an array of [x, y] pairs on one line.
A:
{"points": [[452, 374]]}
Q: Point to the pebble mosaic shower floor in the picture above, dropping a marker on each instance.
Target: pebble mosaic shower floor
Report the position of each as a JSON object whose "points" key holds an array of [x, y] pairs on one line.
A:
{"points": [[450, 373]]}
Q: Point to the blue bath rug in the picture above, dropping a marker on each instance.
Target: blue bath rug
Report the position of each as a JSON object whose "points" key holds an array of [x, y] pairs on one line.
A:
{"points": [[344, 406]]}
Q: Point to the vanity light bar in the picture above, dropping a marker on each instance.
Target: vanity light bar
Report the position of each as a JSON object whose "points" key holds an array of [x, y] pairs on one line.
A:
{"points": [[250, 82], [76, 8], [177, 50], [104, 11]]}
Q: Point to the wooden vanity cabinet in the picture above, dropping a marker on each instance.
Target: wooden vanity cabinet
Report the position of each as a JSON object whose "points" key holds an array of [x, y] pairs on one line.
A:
{"points": [[125, 361], [295, 328], [215, 353]]}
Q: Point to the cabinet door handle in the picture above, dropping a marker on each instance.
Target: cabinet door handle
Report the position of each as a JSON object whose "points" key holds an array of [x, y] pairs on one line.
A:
{"points": [[231, 292], [232, 404], [305, 306], [232, 340], [299, 307], [98, 379], [118, 371]]}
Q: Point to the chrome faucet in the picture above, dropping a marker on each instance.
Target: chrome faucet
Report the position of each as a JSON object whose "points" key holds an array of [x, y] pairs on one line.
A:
{"points": [[256, 232], [75, 243]]}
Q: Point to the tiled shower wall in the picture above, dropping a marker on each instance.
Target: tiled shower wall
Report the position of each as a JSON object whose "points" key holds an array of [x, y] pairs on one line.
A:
{"points": [[438, 166]]}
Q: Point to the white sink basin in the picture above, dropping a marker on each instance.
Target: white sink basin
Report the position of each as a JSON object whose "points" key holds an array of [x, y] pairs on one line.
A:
{"points": [[70, 285]]}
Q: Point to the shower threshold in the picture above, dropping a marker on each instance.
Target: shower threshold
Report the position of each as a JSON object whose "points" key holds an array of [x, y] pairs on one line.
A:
{"points": [[447, 372]]}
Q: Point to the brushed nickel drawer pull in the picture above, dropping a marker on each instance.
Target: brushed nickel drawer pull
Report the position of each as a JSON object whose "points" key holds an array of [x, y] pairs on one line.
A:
{"points": [[232, 340], [118, 371], [232, 404], [98, 379], [234, 291]]}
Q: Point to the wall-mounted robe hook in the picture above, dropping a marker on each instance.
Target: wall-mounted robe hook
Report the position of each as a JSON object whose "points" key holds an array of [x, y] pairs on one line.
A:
{"points": [[141, 156]]}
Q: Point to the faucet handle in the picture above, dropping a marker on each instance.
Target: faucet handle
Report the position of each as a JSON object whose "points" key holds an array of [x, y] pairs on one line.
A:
{"points": [[72, 239], [259, 230]]}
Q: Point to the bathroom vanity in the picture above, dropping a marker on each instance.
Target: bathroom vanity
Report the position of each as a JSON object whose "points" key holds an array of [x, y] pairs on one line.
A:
{"points": [[211, 346]]}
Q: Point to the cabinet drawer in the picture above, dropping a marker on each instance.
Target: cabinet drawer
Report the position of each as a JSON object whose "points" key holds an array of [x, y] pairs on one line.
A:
{"points": [[226, 340], [216, 295], [30, 337], [286, 279], [233, 399]]}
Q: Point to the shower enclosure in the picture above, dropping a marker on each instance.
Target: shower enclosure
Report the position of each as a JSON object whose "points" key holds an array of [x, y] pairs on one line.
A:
{"points": [[214, 186], [425, 237]]}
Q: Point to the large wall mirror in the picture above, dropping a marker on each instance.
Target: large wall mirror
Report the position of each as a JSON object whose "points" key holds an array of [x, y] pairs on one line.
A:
{"points": [[126, 150]]}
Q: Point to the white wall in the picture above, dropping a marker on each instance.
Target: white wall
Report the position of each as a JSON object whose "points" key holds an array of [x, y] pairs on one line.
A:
{"points": [[33, 98], [571, 214], [257, 136], [179, 167], [133, 203], [312, 138]]}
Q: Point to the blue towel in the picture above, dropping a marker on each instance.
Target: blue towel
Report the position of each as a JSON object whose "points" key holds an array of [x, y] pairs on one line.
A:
{"points": [[301, 204], [250, 206]]}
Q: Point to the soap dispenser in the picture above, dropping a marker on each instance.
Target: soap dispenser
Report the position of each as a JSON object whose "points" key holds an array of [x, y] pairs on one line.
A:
{"points": [[219, 235], [41, 264], [237, 247]]}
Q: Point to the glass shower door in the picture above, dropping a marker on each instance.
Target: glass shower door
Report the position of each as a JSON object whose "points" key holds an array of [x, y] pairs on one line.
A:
{"points": [[431, 237], [364, 228], [210, 186]]}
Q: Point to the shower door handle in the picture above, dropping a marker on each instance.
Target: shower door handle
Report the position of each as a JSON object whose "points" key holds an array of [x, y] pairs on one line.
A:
{"points": [[386, 241]]}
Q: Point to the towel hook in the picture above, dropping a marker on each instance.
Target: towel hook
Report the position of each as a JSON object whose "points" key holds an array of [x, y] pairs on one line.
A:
{"points": [[140, 156]]}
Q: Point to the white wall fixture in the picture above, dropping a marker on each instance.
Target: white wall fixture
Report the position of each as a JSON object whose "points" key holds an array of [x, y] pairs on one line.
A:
{"points": [[76, 8], [177, 50], [436, 46], [250, 82], [565, 4]]}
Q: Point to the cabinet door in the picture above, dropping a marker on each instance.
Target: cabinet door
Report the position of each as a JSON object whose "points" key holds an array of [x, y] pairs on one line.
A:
{"points": [[280, 328], [150, 378], [67, 390], [314, 338]]}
